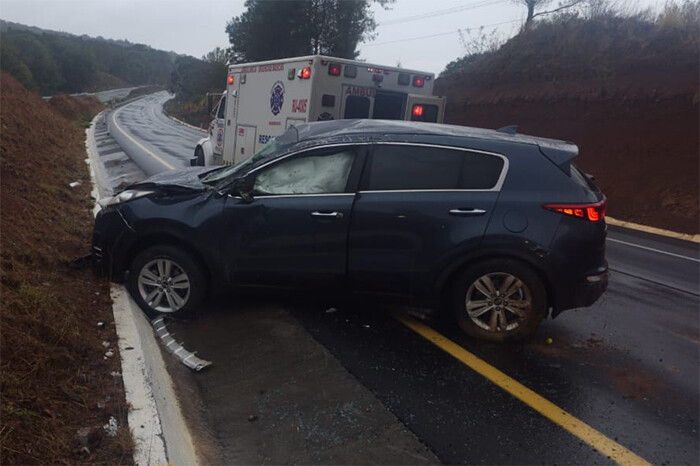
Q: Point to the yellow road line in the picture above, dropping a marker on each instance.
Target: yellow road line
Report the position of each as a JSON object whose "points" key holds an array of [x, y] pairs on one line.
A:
{"points": [[114, 119], [654, 230], [580, 429]]}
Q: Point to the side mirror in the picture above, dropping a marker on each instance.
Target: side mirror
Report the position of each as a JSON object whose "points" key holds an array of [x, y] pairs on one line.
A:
{"points": [[243, 187]]}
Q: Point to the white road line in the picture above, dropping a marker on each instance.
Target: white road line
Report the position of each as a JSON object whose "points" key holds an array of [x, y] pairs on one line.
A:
{"points": [[114, 119], [654, 250]]}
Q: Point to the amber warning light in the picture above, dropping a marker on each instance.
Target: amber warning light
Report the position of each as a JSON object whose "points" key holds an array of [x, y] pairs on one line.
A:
{"points": [[230, 80]]}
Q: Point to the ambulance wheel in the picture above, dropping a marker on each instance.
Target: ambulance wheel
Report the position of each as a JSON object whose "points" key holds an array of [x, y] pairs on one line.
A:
{"points": [[199, 154]]}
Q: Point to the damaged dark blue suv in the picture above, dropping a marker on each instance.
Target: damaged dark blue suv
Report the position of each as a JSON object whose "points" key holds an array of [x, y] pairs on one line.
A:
{"points": [[499, 229]]}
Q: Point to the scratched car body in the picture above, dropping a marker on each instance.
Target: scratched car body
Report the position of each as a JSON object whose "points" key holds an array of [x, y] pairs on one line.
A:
{"points": [[498, 229]]}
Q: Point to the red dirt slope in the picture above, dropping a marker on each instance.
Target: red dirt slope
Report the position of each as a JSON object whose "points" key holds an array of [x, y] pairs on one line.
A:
{"points": [[55, 376], [624, 90]]}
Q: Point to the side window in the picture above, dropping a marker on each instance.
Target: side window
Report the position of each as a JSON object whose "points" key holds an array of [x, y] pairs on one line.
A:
{"points": [[480, 171], [221, 113], [405, 167], [356, 107], [314, 173]]}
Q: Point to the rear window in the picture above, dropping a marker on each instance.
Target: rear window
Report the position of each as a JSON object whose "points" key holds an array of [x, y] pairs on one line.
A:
{"points": [[404, 167], [356, 107]]}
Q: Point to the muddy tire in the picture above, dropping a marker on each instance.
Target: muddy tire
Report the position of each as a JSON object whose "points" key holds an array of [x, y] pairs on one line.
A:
{"points": [[499, 300], [166, 280]]}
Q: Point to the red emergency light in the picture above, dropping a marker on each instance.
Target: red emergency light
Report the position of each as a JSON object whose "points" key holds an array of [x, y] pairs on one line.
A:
{"points": [[230, 80], [417, 110], [305, 73], [418, 81], [334, 69]]}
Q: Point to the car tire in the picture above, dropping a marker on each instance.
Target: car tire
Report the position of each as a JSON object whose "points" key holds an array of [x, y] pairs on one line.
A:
{"points": [[165, 280], [499, 300], [199, 154]]}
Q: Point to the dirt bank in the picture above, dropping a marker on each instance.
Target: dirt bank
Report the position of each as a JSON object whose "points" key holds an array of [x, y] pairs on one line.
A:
{"points": [[624, 89], [59, 346]]}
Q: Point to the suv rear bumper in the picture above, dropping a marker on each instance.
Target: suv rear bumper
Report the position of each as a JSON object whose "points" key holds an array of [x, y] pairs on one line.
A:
{"points": [[583, 293]]}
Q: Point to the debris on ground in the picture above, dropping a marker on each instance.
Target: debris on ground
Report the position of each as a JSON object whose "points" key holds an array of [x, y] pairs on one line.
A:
{"points": [[188, 358]]}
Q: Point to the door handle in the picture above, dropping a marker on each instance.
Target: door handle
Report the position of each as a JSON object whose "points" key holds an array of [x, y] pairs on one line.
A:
{"points": [[467, 212], [327, 214]]}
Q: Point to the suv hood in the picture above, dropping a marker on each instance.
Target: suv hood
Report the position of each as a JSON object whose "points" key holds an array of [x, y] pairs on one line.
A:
{"points": [[184, 179]]}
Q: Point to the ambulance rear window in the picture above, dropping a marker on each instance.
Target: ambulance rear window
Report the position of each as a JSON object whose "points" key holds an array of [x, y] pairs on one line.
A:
{"points": [[356, 107]]}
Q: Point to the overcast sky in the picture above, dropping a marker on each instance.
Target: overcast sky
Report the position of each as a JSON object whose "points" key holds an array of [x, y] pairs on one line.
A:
{"points": [[420, 34]]}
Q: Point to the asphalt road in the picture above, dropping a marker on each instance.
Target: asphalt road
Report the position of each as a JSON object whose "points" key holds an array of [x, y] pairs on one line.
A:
{"points": [[627, 368], [153, 141]]}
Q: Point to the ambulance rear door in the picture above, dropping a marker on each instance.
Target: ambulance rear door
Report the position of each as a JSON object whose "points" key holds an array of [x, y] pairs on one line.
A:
{"points": [[425, 108]]}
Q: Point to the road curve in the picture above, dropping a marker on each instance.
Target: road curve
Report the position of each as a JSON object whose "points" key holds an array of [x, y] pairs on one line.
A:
{"points": [[153, 140]]}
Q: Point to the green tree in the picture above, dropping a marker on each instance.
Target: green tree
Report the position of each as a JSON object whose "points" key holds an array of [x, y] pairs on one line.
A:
{"points": [[271, 29], [194, 78], [10, 63], [218, 55]]}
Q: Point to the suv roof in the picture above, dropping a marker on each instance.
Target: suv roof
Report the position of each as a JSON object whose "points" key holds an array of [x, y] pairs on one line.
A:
{"points": [[318, 132]]}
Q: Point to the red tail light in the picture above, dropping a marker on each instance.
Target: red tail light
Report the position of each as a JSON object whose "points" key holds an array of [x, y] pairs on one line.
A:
{"points": [[591, 212]]}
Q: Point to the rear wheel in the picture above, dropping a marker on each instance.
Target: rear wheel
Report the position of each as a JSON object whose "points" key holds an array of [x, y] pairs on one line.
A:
{"points": [[199, 154], [166, 280], [499, 300]]}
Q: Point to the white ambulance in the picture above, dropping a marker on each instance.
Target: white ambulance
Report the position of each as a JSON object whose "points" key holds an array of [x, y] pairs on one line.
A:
{"points": [[263, 99]]}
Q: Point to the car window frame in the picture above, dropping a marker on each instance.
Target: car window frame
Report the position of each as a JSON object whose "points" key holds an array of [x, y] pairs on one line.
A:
{"points": [[368, 165], [350, 186]]}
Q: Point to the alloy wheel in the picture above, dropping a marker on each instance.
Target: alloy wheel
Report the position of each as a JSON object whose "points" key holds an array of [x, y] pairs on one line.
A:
{"points": [[164, 285], [498, 302]]}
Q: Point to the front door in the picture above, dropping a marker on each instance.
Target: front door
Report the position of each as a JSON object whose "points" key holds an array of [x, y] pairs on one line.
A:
{"points": [[294, 232]]}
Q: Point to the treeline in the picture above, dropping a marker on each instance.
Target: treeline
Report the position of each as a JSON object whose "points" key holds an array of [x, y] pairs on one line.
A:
{"points": [[50, 63]]}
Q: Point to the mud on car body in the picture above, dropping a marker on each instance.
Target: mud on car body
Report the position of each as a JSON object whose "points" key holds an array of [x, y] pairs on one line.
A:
{"points": [[498, 229]]}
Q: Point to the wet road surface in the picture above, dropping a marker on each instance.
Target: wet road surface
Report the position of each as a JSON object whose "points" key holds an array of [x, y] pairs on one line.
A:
{"points": [[628, 367], [153, 141]]}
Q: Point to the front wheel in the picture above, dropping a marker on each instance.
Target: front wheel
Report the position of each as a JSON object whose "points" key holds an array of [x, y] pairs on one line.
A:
{"points": [[199, 155], [166, 280], [499, 300]]}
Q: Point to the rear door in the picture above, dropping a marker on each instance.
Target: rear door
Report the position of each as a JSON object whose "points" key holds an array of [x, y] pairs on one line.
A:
{"points": [[389, 105], [418, 206], [425, 108], [356, 102]]}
